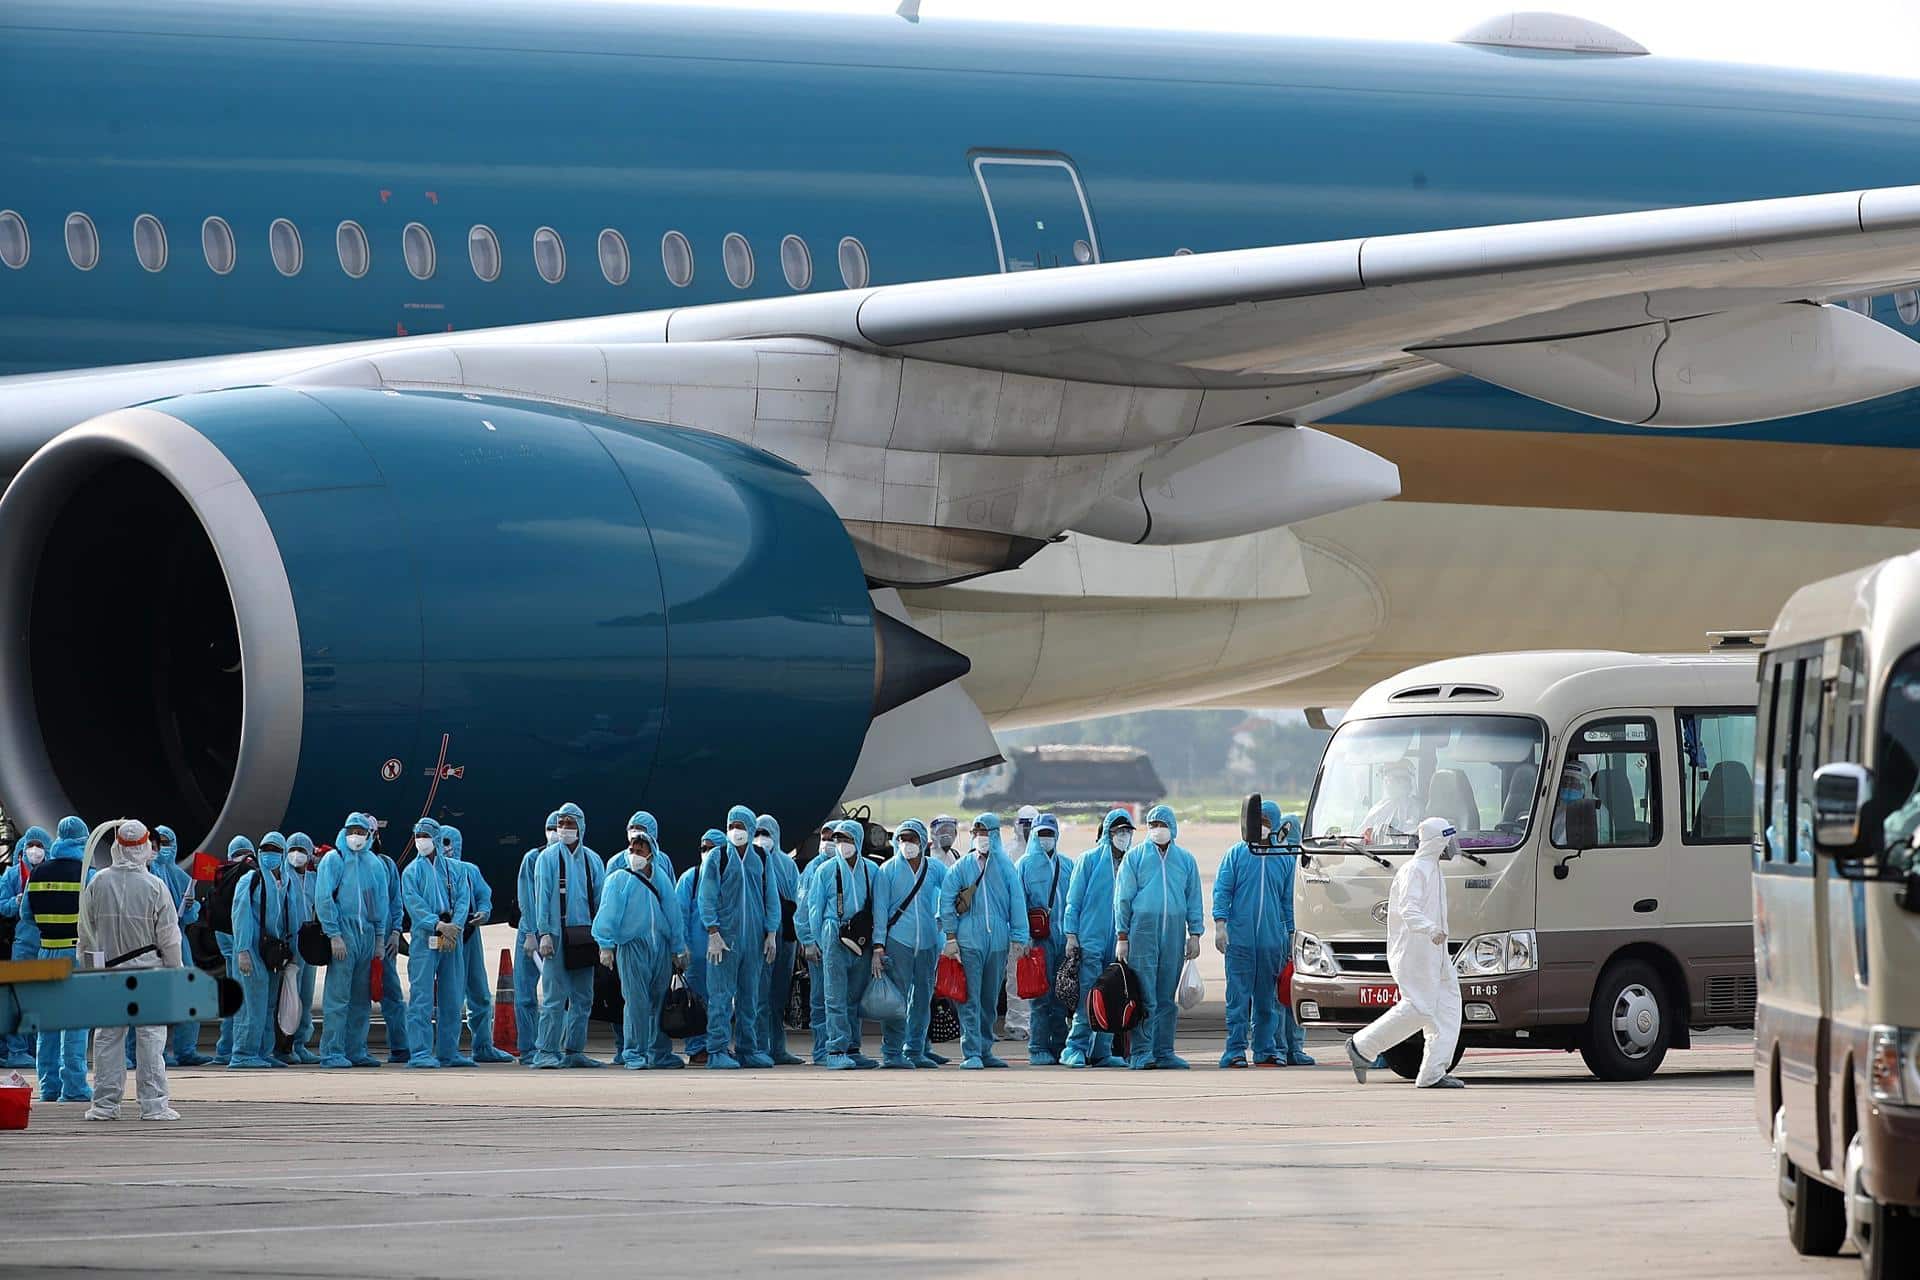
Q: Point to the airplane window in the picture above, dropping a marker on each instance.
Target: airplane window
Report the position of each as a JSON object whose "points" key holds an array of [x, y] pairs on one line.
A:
{"points": [[83, 242], [676, 256], [283, 238], [549, 255], [350, 242], [1907, 303], [15, 245], [150, 242], [616, 264], [736, 255], [416, 246], [216, 243], [853, 263], [483, 251], [796, 261], [1082, 252]]}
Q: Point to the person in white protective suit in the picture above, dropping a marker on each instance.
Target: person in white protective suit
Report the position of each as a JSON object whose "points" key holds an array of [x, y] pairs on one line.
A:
{"points": [[127, 921], [1399, 813], [1417, 954]]}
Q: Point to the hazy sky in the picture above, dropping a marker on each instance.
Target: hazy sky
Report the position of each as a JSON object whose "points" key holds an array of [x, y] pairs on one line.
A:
{"points": [[1876, 36]]}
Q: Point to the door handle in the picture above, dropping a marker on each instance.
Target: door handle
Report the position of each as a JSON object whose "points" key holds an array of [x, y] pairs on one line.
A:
{"points": [[1647, 906]]}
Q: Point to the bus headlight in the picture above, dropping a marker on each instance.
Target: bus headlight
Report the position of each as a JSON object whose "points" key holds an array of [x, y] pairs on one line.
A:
{"points": [[1893, 1065], [1311, 957], [1491, 955]]}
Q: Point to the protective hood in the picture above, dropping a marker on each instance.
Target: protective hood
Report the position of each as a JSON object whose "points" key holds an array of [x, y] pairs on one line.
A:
{"points": [[450, 842], [741, 814], [1114, 818], [354, 820], [237, 846], [853, 831], [913, 825], [71, 831], [426, 827], [716, 838], [645, 821], [1033, 840], [571, 810], [771, 825], [1269, 810], [165, 844], [944, 820], [1437, 836], [274, 858], [991, 821], [1164, 813], [302, 841], [35, 835], [1027, 814]]}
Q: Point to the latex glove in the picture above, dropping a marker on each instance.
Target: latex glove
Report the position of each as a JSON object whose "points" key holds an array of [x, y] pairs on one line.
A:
{"points": [[245, 961], [546, 946], [771, 947], [879, 960], [716, 948], [952, 949], [1015, 954], [812, 953], [1193, 947], [1220, 936], [606, 958], [478, 917], [449, 935], [681, 960], [531, 946], [339, 949], [1120, 950], [393, 943], [1073, 942], [1439, 937]]}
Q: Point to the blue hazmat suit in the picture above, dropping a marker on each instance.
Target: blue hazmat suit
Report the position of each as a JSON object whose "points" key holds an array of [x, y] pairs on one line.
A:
{"points": [[737, 899], [183, 1038], [640, 921], [60, 1057], [1089, 922], [995, 922], [1157, 906], [1046, 877], [843, 888], [438, 898], [566, 995], [478, 989], [223, 1047], [913, 944], [526, 969], [661, 1047], [1253, 897], [19, 1048], [804, 899], [784, 876], [393, 996], [259, 912], [350, 899], [300, 912], [687, 893]]}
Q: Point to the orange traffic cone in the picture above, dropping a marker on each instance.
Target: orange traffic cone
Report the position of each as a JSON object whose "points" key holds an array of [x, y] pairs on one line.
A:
{"points": [[505, 1029]]}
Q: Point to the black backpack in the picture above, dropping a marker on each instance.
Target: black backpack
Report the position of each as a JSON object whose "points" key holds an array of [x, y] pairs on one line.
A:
{"points": [[1118, 1003], [225, 881]]}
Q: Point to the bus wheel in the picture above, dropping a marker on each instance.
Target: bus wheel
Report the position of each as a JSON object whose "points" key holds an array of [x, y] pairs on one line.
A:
{"points": [[1887, 1237], [1625, 1036], [1405, 1057], [1816, 1213]]}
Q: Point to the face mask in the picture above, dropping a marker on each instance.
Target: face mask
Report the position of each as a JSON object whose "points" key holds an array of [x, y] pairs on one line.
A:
{"points": [[35, 855], [982, 843], [569, 836], [1047, 843], [357, 843], [1162, 836], [299, 860], [910, 848], [423, 844], [1123, 840], [846, 848], [737, 837], [763, 842]]}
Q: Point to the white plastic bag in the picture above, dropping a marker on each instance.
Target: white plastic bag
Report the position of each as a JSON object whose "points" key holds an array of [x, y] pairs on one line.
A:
{"points": [[288, 1016], [1191, 990]]}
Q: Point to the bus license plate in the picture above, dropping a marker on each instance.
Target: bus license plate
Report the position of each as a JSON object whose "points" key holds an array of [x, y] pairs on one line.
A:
{"points": [[1379, 997]]}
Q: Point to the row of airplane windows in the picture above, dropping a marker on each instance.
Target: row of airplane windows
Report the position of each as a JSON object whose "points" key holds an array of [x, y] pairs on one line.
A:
{"points": [[285, 246]]}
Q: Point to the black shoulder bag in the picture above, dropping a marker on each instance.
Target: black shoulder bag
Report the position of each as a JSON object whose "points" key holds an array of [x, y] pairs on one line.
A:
{"points": [[315, 947], [275, 954], [578, 950], [856, 934]]}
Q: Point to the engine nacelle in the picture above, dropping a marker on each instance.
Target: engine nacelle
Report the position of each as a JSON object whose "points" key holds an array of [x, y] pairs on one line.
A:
{"points": [[259, 607]]}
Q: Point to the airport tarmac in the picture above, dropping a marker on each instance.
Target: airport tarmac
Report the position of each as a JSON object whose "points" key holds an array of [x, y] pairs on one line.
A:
{"points": [[1535, 1170]]}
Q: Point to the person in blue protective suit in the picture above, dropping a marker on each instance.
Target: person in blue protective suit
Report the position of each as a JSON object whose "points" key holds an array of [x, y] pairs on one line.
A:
{"points": [[1089, 933], [301, 874], [784, 876], [477, 988], [740, 921], [566, 995], [438, 900], [643, 825], [642, 937], [393, 996], [910, 885], [183, 1039], [350, 898], [50, 905], [809, 949], [1158, 917], [259, 913], [983, 912], [687, 894], [1253, 928], [846, 885], [1292, 1040], [30, 854], [223, 1047], [1046, 877], [526, 961]]}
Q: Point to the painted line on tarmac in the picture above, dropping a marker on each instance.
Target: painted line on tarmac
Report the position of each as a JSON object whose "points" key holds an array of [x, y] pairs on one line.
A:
{"points": [[296, 1178], [290, 1228]]}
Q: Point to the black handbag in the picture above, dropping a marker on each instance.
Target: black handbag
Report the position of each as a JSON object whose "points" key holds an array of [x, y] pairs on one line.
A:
{"points": [[1066, 979], [857, 931], [682, 1013], [578, 950], [315, 947], [275, 954]]}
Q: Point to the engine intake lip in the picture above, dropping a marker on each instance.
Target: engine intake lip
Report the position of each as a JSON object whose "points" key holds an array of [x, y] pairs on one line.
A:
{"points": [[272, 699]]}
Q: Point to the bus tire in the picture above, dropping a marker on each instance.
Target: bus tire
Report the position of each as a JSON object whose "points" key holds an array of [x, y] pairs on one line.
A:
{"points": [[1817, 1218], [1405, 1057], [1887, 1237], [1629, 1023]]}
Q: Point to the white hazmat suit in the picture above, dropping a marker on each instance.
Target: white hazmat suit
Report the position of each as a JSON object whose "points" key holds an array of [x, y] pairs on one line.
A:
{"points": [[1417, 955], [127, 909]]}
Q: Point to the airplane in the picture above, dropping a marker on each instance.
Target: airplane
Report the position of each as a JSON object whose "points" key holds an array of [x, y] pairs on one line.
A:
{"points": [[490, 405]]}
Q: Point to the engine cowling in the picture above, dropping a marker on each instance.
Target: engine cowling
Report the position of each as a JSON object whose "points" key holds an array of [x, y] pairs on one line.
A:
{"points": [[270, 606]]}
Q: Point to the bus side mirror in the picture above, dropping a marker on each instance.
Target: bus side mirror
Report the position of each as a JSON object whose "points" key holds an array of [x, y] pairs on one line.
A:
{"points": [[1583, 824], [1841, 793]]}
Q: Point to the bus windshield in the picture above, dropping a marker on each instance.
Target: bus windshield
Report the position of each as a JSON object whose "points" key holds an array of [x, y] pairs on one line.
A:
{"points": [[1381, 777]]}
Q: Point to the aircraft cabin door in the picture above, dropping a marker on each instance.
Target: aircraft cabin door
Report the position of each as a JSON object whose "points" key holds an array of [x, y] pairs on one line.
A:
{"points": [[1038, 211]]}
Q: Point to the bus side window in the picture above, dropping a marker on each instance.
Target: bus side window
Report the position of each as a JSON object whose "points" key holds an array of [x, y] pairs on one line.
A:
{"points": [[1806, 752], [1785, 689], [1716, 777], [1616, 762]]}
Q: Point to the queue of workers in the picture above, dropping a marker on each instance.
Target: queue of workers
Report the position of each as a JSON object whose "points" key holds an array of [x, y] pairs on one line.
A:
{"points": [[733, 928]]}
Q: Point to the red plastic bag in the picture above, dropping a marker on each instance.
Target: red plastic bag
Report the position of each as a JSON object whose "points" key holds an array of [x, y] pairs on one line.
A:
{"points": [[1286, 985], [950, 979], [375, 980], [1030, 979]]}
